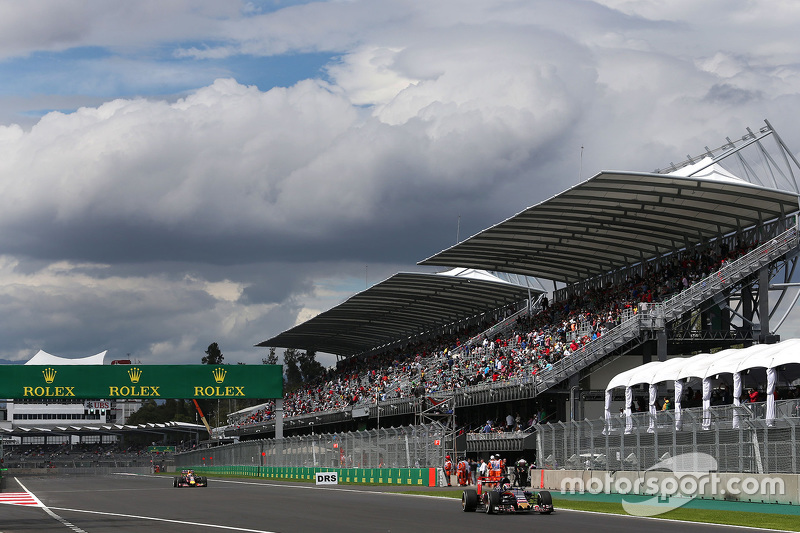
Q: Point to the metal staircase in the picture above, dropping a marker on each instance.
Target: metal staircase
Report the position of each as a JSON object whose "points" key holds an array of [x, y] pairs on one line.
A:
{"points": [[657, 316]]}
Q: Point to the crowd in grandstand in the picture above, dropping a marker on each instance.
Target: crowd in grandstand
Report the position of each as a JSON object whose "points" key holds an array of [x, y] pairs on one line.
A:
{"points": [[538, 341], [77, 453]]}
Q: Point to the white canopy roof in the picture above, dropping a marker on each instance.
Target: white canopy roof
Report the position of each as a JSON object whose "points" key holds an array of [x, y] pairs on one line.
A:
{"points": [[707, 169], [628, 378], [658, 372], [697, 366], [708, 365], [44, 358]]}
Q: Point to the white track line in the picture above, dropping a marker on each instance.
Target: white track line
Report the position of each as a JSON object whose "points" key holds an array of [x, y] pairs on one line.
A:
{"points": [[182, 522]]}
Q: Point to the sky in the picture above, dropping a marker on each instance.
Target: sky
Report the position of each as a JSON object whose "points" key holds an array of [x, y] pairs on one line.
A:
{"points": [[175, 173]]}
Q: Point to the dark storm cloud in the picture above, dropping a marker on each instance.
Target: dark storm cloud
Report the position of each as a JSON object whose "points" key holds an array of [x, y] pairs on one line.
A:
{"points": [[724, 93]]}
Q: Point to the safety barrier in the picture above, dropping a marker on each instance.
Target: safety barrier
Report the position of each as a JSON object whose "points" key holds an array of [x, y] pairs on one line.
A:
{"points": [[380, 476], [618, 444], [762, 488]]}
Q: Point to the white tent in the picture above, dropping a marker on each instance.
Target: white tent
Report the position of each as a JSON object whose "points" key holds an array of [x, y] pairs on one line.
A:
{"points": [[621, 380], [707, 367], [696, 367], [44, 358]]}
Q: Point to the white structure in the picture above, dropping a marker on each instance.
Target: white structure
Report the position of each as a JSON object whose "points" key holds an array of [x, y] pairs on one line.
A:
{"points": [[48, 413], [708, 369]]}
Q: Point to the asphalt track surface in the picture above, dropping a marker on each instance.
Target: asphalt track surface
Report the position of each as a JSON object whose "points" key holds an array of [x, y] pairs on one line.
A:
{"points": [[127, 503]]}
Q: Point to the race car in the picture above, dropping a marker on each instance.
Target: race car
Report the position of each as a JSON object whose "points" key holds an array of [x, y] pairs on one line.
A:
{"points": [[189, 479], [502, 498]]}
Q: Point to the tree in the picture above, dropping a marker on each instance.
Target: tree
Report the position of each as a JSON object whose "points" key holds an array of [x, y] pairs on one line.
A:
{"points": [[291, 369], [272, 358], [310, 367], [213, 355], [300, 367], [155, 413]]}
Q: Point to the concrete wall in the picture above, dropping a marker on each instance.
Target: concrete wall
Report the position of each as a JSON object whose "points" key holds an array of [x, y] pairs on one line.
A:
{"points": [[767, 488], [600, 378]]}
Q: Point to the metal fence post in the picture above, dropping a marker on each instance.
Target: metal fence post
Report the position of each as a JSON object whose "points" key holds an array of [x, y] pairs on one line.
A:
{"points": [[656, 451], [565, 444], [717, 423], [793, 447]]}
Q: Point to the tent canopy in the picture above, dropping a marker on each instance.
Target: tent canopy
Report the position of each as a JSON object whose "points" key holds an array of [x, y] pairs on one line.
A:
{"points": [[706, 366], [44, 358]]}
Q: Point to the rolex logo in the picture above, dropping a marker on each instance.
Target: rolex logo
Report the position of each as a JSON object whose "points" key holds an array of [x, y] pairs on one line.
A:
{"points": [[134, 374], [49, 374], [219, 374]]}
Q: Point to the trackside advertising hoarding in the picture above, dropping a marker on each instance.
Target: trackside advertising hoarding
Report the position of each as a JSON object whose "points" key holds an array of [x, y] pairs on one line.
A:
{"points": [[141, 381]]}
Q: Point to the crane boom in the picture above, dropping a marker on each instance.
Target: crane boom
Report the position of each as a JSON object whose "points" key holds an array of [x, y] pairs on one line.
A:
{"points": [[203, 418]]}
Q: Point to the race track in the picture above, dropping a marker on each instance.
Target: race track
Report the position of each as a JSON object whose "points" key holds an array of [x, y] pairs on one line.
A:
{"points": [[126, 503]]}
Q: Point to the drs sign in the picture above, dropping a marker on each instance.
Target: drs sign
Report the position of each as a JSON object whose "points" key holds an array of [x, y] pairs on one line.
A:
{"points": [[327, 478]]}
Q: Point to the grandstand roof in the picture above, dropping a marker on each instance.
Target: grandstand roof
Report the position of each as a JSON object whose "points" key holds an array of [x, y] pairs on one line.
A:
{"points": [[615, 219], [403, 306], [84, 429]]}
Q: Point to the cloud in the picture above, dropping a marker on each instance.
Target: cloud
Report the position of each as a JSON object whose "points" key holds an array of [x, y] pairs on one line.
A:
{"points": [[226, 212], [27, 28]]}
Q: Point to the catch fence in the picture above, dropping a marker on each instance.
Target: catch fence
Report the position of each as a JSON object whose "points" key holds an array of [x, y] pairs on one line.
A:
{"points": [[405, 447], [738, 438]]}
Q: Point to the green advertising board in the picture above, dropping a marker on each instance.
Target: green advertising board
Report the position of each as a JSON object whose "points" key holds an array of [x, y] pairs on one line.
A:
{"points": [[141, 381]]}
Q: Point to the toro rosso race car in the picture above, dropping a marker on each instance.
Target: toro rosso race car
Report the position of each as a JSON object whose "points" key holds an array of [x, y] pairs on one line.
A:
{"points": [[502, 498], [189, 479]]}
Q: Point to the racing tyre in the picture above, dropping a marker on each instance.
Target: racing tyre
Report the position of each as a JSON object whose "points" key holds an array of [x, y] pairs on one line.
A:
{"points": [[492, 501], [544, 498], [175, 482], [469, 501]]}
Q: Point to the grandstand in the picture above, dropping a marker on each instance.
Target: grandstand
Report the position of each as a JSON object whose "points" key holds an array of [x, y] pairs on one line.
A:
{"points": [[698, 256]]}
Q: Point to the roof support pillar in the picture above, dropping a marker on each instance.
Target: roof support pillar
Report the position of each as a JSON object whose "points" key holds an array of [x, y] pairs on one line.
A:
{"points": [[278, 418], [661, 341], [747, 310], [763, 302], [574, 385]]}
